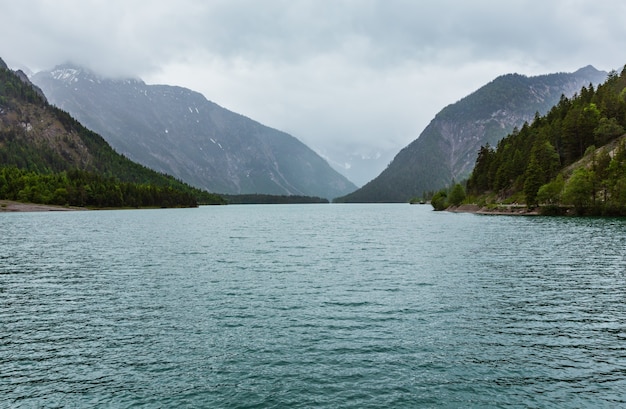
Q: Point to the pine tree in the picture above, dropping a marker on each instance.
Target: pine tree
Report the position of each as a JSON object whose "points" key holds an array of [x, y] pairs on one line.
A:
{"points": [[532, 181]]}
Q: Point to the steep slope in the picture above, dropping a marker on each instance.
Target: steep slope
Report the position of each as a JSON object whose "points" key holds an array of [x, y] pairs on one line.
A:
{"points": [[38, 139], [179, 132], [446, 149]]}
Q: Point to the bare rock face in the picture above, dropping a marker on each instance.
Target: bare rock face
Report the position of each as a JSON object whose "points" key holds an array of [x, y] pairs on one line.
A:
{"points": [[179, 132], [447, 148]]}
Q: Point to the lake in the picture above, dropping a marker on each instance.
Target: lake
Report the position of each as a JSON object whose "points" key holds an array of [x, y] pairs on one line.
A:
{"points": [[300, 306]]}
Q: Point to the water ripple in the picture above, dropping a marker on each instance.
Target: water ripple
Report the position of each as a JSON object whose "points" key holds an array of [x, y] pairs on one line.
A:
{"points": [[311, 306]]}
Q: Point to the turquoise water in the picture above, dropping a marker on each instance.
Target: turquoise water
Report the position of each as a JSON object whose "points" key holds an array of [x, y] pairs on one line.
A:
{"points": [[325, 306]]}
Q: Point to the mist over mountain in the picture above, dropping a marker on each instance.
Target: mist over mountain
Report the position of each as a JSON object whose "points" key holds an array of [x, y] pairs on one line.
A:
{"points": [[359, 163], [446, 150], [179, 132]]}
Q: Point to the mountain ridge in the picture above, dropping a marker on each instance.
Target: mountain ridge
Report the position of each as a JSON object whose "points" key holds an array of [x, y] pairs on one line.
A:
{"points": [[180, 132], [446, 149], [48, 157]]}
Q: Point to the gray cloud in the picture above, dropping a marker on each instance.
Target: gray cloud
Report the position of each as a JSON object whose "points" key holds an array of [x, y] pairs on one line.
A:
{"points": [[351, 75]]}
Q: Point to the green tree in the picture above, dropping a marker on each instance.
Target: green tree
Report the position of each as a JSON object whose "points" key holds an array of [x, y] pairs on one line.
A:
{"points": [[547, 159], [532, 181], [457, 195], [479, 180], [607, 129], [578, 190], [550, 193], [440, 200], [601, 163]]}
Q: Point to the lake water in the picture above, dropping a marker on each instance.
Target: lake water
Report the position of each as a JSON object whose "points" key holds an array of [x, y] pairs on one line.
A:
{"points": [[301, 306]]}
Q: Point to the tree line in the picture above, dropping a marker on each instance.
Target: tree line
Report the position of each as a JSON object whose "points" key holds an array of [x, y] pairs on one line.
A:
{"points": [[86, 189], [257, 198]]}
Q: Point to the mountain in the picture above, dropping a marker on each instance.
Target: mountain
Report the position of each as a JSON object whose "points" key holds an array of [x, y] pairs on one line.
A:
{"points": [[179, 132], [446, 149], [571, 160], [46, 156]]}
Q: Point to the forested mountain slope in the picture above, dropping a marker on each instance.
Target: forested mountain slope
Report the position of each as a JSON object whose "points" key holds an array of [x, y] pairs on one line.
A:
{"points": [[179, 132], [575, 155], [446, 149], [46, 156]]}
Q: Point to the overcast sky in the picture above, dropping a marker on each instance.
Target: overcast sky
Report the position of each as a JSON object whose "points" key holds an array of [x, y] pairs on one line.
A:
{"points": [[351, 75]]}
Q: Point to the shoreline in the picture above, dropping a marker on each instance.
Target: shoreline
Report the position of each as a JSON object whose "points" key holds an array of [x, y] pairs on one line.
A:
{"points": [[501, 210], [11, 206]]}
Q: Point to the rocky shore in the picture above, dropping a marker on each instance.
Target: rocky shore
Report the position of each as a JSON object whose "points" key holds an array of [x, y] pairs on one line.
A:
{"points": [[507, 210], [11, 206]]}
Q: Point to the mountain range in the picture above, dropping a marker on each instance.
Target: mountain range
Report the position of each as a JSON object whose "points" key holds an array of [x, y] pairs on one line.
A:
{"points": [[447, 148], [46, 156], [179, 132]]}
